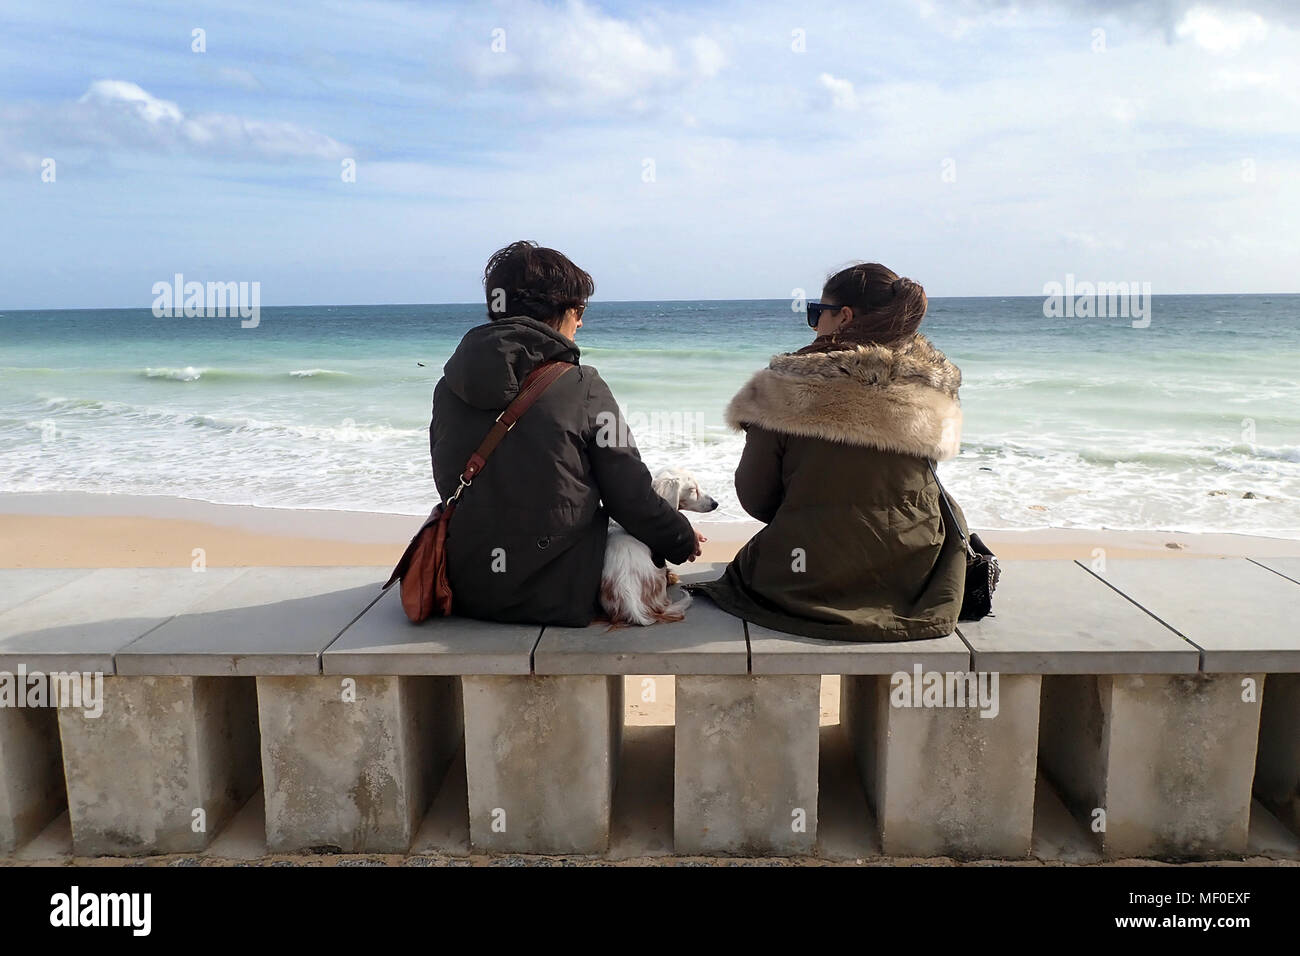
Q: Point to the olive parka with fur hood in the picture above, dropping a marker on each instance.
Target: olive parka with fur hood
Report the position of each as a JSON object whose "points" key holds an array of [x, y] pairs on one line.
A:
{"points": [[836, 465]]}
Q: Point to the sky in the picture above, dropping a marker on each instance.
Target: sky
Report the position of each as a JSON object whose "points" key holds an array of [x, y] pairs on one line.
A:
{"points": [[679, 150]]}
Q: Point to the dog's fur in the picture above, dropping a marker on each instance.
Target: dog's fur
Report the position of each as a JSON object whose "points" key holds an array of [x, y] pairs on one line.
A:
{"points": [[901, 399], [632, 589]]}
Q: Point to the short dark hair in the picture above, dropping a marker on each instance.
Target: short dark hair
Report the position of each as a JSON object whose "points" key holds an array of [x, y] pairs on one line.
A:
{"points": [[527, 279]]}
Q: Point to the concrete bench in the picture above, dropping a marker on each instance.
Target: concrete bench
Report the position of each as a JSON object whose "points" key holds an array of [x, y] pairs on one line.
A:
{"points": [[1150, 675], [1108, 672], [1193, 746], [941, 780], [731, 752], [419, 687], [231, 663], [31, 789], [176, 752], [71, 623]]}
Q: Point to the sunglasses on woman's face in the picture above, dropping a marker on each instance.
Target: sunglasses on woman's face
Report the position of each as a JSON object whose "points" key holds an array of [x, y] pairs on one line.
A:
{"points": [[815, 310]]}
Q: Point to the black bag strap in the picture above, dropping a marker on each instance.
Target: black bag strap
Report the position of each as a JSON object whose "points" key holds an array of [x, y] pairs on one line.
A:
{"points": [[945, 506]]}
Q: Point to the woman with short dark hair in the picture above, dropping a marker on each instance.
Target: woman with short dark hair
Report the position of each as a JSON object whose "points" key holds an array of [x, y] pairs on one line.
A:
{"points": [[527, 542], [839, 437]]}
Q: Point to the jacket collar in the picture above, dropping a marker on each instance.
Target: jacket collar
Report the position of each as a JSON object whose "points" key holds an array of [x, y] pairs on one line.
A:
{"points": [[900, 399]]}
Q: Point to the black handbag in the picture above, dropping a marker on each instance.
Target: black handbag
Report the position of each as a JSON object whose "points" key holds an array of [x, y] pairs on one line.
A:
{"points": [[982, 570]]}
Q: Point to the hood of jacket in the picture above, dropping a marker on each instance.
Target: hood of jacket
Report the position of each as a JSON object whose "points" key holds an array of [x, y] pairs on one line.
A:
{"points": [[493, 359], [898, 399]]}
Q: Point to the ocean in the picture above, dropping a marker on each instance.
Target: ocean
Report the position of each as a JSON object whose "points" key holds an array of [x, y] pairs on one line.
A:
{"points": [[1189, 424]]}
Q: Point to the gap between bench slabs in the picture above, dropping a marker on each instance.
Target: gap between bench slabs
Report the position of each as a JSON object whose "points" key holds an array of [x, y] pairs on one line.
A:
{"points": [[265, 622]]}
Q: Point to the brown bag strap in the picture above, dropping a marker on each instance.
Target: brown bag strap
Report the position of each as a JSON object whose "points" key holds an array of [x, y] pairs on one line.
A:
{"points": [[537, 382]]}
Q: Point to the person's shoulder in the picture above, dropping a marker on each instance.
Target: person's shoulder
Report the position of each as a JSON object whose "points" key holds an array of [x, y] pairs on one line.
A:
{"points": [[593, 383]]}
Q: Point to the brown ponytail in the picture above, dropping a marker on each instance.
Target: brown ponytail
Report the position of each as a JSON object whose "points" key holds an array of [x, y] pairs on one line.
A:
{"points": [[887, 308]]}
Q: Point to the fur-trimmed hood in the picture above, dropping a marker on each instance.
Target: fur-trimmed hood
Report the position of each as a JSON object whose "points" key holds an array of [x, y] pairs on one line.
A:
{"points": [[901, 399]]}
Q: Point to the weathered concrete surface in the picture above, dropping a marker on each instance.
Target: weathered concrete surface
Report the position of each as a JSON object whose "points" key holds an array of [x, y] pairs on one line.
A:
{"points": [[383, 641], [709, 641], [1056, 617], [20, 585], [31, 773], [164, 748], [266, 621], [745, 769], [945, 781], [775, 652], [1169, 758], [1277, 769], [541, 761], [82, 623], [353, 763], [1241, 615]]}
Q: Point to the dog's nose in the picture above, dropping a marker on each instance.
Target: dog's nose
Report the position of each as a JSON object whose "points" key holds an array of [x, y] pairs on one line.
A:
{"points": [[712, 505]]}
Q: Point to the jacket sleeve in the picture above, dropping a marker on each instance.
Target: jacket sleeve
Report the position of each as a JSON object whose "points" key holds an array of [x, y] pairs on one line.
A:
{"points": [[624, 480], [440, 477], [758, 476]]}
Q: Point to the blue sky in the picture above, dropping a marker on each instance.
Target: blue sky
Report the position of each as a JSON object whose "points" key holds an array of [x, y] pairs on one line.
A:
{"points": [[982, 147]]}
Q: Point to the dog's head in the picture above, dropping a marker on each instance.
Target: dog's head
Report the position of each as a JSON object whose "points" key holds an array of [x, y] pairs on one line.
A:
{"points": [[681, 490]]}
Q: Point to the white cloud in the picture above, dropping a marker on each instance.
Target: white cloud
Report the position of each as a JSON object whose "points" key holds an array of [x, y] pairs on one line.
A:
{"points": [[119, 114], [1221, 31], [1233, 80], [578, 54], [843, 96], [709, 57], [115, 94]]}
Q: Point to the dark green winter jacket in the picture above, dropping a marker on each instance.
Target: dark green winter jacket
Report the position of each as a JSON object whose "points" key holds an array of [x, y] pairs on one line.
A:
{"points": [[854, 546]]}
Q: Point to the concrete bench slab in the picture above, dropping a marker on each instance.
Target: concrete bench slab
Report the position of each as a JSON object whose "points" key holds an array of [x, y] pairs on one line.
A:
{"points": [[166, 765], [1054, 617], [947, 759], [81, 624], [383, 641], [774, 652], [1164, 762], [541, 760], [22, 584], [1287, 567], [709, 641], [265, 621], [745, 764], [1241, 615], [353, 763]]}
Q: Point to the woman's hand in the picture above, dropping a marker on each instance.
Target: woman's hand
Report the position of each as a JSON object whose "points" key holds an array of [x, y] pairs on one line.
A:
{"points": [[699, 540]]}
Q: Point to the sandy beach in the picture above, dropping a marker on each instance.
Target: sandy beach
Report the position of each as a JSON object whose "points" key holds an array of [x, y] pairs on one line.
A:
{"points": [[102, 531]]}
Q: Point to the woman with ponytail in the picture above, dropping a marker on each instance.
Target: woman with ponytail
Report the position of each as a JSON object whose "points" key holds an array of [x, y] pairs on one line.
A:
{"points": [[839, 437]]}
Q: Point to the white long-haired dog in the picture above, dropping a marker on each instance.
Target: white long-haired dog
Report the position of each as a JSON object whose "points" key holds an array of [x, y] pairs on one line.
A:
{"points": [[632, 589]]}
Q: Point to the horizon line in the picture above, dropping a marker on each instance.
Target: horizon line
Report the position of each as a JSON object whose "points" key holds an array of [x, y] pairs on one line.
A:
{"points": [[318, 305]]}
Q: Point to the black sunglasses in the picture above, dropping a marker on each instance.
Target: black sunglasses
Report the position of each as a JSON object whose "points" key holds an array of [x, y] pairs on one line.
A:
{"points": [[815, 310]]}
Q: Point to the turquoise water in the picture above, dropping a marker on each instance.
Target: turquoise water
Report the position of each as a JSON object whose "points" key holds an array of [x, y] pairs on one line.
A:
{"points": [[1069, 422]]}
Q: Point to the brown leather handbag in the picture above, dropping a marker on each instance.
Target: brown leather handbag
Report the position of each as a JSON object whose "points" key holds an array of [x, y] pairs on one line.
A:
{"points": [[426, 590]]}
